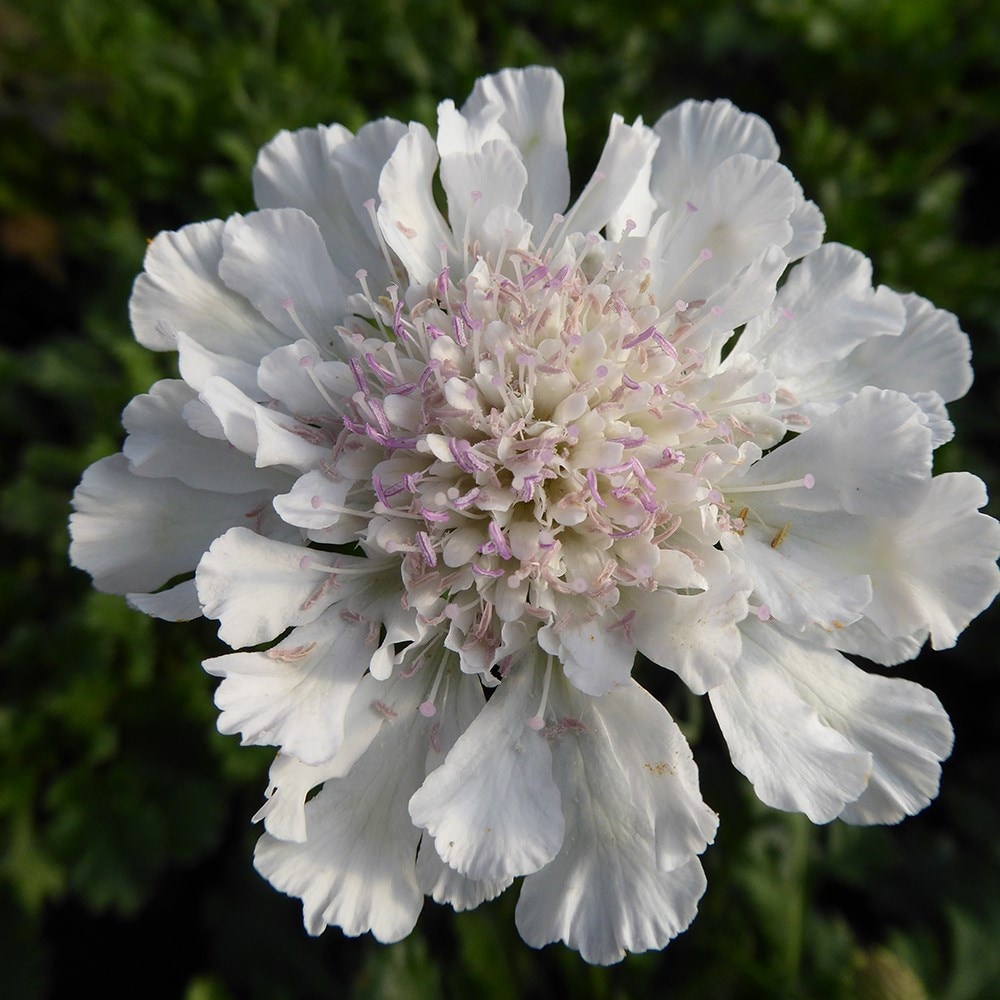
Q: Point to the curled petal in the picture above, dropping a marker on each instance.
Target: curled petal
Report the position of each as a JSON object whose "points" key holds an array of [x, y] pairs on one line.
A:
{"points": [[626, 158], [530, 102], [296, 694], [329, 174], [607, 892], [695, 635], [938, 569], [596, 656], [492, 806], [134, 533], [357, 865], [257, 587], [409, 219], [696, 136], [278, 260], [872, 456], [778, 740], [162, 444], [180, 290], [825, 309]]}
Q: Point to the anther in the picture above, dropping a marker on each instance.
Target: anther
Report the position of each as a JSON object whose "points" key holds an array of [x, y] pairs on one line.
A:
{"points": [[426, 550]]}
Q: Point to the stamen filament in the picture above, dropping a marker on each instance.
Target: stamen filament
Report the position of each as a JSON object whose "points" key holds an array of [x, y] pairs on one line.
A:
{"points": [[537, 721], [427, 708], [289, 306], [308, 563], [307, 363], [808, 481], [369, 207]]}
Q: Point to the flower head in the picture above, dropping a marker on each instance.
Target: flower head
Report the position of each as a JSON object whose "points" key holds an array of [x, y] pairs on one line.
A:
{"points": [[458, 469]]}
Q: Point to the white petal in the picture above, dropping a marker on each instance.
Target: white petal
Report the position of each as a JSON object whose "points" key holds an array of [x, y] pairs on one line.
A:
{"points": [[697, 635], [464, 701], [357, 867], [900, 724], [657, 761], [635, 212], [908, 733], [825, 309], [133, 533], [932, 353], [603, 900], [865, 638], [272, 437], [285, 376], [492, 807], [257, 587], [746, 295], [778, 740], [289, 784], [937, 353], [503, 226], [198, 364], [740, 208], [936, 416], [162, 444], [808, 228], [199, 417], [928, 360], [476, 183], [305, 170], [371, 706], [380, 601], [797, 584], [177, 604], [531, 100], [445, 885], [596, 657], [313, 500], [295, 695], [294, 171], [278, 260], [627, 154], [285, 441], [409, 219], [933, 571], [360, 162], [872, 456], [604, 894], [458, 701], [696, 137], [458, 133], [180, 289], [234, 411], [937, 570]]}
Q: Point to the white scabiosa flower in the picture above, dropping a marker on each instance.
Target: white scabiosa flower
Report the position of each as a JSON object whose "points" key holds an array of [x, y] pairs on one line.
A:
{"points": [[447, 472]]}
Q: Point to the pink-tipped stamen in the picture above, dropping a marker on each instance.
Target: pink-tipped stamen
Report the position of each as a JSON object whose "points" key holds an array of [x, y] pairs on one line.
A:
{"points": [[537, 721]]}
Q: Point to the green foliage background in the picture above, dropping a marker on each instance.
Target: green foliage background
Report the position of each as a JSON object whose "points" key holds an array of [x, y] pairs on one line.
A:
{"points": [[124, 835]]}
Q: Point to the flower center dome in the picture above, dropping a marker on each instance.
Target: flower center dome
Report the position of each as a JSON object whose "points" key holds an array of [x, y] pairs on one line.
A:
{"points": [[530, 439]]}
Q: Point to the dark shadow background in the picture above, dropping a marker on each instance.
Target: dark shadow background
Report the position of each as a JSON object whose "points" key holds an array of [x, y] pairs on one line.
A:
{"points": [[124, 817]]}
